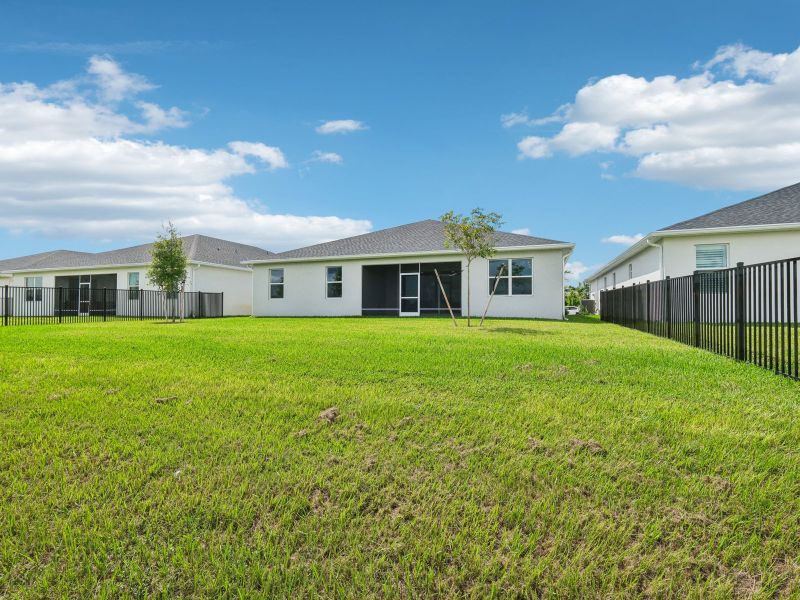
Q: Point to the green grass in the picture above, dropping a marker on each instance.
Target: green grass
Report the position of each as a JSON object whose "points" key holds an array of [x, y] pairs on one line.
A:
{"points": [[529, 458]]}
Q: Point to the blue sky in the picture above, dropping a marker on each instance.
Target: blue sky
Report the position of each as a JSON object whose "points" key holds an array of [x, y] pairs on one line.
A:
{"points": [[209, 114]]}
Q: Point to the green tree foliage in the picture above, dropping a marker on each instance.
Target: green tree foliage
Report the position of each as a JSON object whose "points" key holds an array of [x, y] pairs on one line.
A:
{"points": [[573, 294], [474, 236], [168, 267]]}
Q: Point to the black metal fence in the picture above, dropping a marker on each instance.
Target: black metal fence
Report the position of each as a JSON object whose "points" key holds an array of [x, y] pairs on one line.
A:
{"points": [[749, 313], [33, 305]]}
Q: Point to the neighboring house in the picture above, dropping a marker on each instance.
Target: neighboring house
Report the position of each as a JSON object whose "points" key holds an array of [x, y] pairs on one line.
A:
{"points": [[762, 229], [393, 272], [214, 266]]}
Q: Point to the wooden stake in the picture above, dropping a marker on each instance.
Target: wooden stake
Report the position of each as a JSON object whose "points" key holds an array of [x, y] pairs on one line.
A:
{"points": [[446, 301], [494, 289]]}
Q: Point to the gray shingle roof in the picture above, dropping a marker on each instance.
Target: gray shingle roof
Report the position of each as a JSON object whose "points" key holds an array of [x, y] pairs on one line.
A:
{"points": [[199, 248], [422, 236], [778, 207]]}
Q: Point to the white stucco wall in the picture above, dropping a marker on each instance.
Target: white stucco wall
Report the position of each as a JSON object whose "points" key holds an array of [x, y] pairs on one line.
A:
{"points": [[645, 267], [679, 255], [236, 284], [304, 288], [749, 248]]}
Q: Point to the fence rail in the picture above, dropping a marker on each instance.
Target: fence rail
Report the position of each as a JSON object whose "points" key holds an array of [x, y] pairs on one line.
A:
{"points": [[38, 305], [748, 312]]}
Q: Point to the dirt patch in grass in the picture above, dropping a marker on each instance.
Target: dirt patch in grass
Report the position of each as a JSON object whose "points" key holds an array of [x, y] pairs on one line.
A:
{"points": [[590, 446], [329, 415]]}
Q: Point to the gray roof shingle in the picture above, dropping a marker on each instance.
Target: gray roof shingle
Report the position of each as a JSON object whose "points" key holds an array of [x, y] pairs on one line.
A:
{"points": [[779, 207], [422, 236], [199, 248]]}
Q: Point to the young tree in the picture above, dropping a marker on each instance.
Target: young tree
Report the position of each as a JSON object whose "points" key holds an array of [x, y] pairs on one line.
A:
{"points": [[474, 236], [168, 267]]}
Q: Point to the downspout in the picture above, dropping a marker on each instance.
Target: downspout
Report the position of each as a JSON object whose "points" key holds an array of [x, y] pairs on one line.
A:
{"points": [[660, 257], [564, 258]]}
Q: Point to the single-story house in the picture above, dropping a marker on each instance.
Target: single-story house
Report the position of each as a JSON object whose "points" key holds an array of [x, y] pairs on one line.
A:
{"points": [[393, 272], [215, 265], [758, 230]]}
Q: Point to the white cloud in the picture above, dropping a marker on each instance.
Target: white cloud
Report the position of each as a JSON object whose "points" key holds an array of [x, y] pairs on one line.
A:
{"points": [[267, 154], [113, 83], [575, 270], [625, 240], [326, 157], [734, 125], [340, 126], [522, 231], [513, 118], [69, 169]]}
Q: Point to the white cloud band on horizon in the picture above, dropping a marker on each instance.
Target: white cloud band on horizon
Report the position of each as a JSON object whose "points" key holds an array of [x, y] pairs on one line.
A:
{"points": [[735, 125], [69, 169]]}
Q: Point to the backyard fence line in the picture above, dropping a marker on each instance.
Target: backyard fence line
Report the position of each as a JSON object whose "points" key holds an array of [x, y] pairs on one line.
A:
{"points": [[747, 312], [46, 305]]}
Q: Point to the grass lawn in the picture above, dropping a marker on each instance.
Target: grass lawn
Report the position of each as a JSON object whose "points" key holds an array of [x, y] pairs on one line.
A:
{"points": [[529, 458]]}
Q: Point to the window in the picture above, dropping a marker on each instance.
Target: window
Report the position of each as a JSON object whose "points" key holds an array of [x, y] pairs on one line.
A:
{"points": [[133, 286], [333, 282], [276, 283], [630, 271], [513, 276], [605, 282], [711, 256], [614, 279], [33, 291]]}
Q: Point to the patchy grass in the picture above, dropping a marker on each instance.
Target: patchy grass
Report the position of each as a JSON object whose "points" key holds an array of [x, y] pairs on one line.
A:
{"points": [[386, 457]]}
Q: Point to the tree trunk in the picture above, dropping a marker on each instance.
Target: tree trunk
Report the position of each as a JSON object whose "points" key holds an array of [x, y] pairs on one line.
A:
{"points": [[469, 311]]}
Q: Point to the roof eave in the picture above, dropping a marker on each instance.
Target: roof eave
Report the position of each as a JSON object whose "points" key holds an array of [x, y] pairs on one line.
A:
{"points": [[662, 233], [10, 272], [277, 259], [731, 229]]}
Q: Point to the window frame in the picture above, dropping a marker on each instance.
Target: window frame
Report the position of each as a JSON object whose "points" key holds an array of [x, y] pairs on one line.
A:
{"points": [[328, 283], [134, 292], [724, 245], [630, 271], [272, 284], [33, 292], [508, 276]]}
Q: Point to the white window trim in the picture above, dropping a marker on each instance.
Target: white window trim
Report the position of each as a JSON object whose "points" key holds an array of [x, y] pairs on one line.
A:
{"points": [[270, 284], [509, 276], [727, 247], [34, 287], [341, 268]]}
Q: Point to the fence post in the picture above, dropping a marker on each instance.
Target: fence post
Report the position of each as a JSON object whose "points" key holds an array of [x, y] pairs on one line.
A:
{"points": [[141, 296], [667, 291], [201, 309], [104, 303], [696, 308], [6, 304], [58, 303], [222, 304], [647, 304], [741, 311]]}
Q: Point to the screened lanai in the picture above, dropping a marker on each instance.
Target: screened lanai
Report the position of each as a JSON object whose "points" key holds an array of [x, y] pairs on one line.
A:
{"points": [[410, 289]]}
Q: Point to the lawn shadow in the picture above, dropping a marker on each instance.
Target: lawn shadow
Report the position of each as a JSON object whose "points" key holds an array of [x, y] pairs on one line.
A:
{"points": [[519, 331]]}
